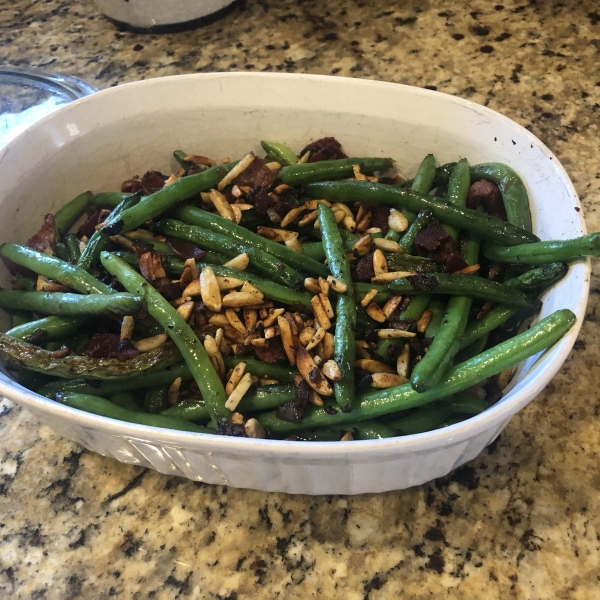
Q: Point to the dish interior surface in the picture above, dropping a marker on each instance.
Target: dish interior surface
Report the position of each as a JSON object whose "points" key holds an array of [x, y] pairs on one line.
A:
{"points": [[98, 142]]}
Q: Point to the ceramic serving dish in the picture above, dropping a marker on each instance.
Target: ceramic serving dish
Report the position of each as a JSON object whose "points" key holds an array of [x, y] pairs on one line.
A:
{"points": [[97, 142]]}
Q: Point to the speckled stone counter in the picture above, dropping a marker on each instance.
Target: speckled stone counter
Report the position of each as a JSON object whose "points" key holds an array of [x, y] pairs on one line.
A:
{"points": [[520, 521]]}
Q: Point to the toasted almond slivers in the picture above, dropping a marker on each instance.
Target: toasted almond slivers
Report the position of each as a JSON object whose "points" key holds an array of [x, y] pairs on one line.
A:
{"points": [[268, 381], [287, 339], [151, 343], [173, 393], [236, 192], [357, 174], [272, 316], [218, 320], [312, 285], [391, 305], [244, 207], [254, 429], [237, 418], [200, 160], [485, 309], [347, 437], [306, 335], [209, 290], [239, 262], [260, 342], [323, 286], [403, 361], [338, 286], [311, 217], [368, 297], [311, 373], [219, 336], [372, 366], [320, 313], [361, 349], [229, 283], [235, 377], [191, 269], [397, 221], [468, 270], [386, 380], [379, 262], [250, 318], [216, 358], [127, 327], [364, 223], [250, 288], [315, 399], [423, 321], [237, 213], [312, 204], [292, 215], [363, 246], [389, 334], [331, 370], [235, 321], [375, 312], [240, 299], [205, 197], [159, 272], [273, 166], [327, 346], [220, 203], [271, 332], [186, 309], [327, 305], [304, 158], [238, 393], [391, 276], [294, 244], [193, 289], [316, 339], [388, 245], [349, 224], [239, 168]]}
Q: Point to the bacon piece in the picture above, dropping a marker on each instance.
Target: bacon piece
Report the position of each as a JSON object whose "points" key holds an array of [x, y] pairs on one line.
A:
{"points": [[327, 148], [45, 239]]}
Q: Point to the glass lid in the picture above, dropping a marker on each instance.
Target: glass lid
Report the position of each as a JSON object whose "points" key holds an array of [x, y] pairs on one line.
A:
{"points": [[27, 95]]}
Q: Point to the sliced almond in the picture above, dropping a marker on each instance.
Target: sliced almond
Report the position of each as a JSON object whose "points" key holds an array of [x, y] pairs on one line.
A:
{"points": [[311, 373], [323, 286], [349, 224], [320, 313], [219, 336], [390, 334], [173, 393], [196, 159], [250, 288], [388, 245], [239, 300], [272, 316], [372, 366], [273, 166], [375, 312], [237, 213], [260, 342], [311, 217], [287, 339], [373, 230], [363, 246], [397, 221], [254, 429], [237, 418], [331, 370], [151, 343], [250, 318], [159, 271], [172, 179], [190, 272], [338, 286], [347, 437], [391, 276], [239, 391], [306, 335], [229, 283], [193, 289], [423, 321], [186, 309], [357, 174], [316, 339], [379, 262], [368, 297], [235, 321], [315, 399], [327, 305], [239, 262], [289, 317], [304, 158], [271, 332], [219, 320], [391, 305], [294, 244], [220, 203], [127, 328], [235, 377], [386, 380], [244, 163], [292, 215], [327, 344], [268, 381], [312, 285], [361, 349], [209, 290], [403, 361], [469, 270], [364, 223], [216, 358], [244, 207]]}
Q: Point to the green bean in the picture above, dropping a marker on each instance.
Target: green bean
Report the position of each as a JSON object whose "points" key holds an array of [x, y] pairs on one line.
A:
{"points": [[27, 284], [61, 252], [126, 400], [344, 348], [179, 156], [361, 290], [458, 190], [225, 227], [260, 369], [316, 435], [514, 192], [266, 263], [421, 183], [105, 408], [503, 356], [546, 252], [66, 216], [441, 177], [47, 329], [437, 309], [19, 318], [256, 399], [279, 152], [382, 349], [57, 303], [472, 350], [155, 204], [369, 430], [455, 284], [540, 277], [416, 307], [408, 239], [18, 352], [405, 262], [482, 224], [494, 318], [72, 246], [108, 199], [156, 399], [179, 331], [54, 268], [326, 170], [98, 243]]}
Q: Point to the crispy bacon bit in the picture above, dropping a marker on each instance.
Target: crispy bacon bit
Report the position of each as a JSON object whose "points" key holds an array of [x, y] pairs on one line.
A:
{"points": [[131, 186], [488, 193], [170, 290], [380, 218], [256, 174], [438, 245], [293, 411], [151, 182], [327, 148], [272, 352], [185, 250], [109, 345], [89, 226], [45, 239], [231, 429], [364, 269]]}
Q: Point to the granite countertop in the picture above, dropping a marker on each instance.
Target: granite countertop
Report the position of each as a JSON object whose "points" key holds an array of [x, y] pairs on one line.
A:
{"points": [[520, 521]]}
